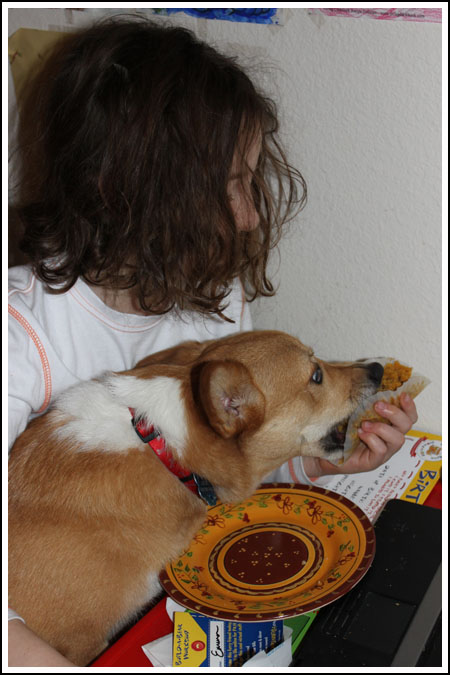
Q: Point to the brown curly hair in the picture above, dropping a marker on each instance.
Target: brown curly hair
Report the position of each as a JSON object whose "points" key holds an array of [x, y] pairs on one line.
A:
{"points": [[124, 183]]}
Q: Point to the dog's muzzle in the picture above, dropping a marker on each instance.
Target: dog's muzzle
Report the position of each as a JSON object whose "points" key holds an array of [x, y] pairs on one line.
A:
{"points": [[335, 439]]}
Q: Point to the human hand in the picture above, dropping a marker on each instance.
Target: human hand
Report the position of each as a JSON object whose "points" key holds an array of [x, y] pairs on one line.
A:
{"points": [[379, 441]]}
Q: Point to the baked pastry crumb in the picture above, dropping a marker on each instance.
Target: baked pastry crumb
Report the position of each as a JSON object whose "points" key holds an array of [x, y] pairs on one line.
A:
{"points": [[395, 374]]}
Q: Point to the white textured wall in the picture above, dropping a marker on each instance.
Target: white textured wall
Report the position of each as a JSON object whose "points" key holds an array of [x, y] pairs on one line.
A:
{"points": [[359, 273]]}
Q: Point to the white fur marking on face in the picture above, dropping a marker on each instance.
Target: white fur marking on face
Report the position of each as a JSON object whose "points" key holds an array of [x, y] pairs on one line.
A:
{"points": [[96, 412], [314, 432]]}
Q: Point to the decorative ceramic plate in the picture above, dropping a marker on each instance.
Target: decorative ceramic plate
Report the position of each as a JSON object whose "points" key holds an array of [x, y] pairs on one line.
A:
{"points": [[287, 550]]}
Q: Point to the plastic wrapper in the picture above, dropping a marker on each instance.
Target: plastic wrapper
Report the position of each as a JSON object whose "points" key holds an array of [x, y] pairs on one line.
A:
{"points": [[365, 411]]}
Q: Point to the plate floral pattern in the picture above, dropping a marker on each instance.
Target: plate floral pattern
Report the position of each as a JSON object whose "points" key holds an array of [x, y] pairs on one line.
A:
{"points": [[287, 550]]}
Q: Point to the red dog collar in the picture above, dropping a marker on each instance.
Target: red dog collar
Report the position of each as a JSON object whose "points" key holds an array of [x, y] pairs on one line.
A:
{"points": [[151, 435]]}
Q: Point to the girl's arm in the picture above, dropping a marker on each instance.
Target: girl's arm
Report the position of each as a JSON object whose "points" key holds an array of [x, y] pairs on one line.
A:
{"points": [[29, 381], [26, 649]]}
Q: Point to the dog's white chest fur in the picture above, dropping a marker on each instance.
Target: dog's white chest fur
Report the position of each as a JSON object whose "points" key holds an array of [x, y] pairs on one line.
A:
{"points": [[97, 412]]}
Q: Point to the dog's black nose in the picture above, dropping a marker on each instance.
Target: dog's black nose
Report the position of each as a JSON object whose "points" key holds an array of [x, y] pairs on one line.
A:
{"points": [[376, 371]]}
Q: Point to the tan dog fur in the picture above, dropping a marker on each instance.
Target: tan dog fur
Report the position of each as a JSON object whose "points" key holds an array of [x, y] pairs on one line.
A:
{"points": [[91, 527]]}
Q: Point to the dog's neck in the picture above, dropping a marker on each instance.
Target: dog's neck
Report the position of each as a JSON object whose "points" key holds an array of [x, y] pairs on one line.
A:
{"points": [[96, 415], [152, 437]]}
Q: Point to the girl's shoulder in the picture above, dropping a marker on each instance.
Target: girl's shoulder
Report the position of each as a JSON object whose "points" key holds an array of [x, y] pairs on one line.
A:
{"points": [[21, 281], [28, 294]]}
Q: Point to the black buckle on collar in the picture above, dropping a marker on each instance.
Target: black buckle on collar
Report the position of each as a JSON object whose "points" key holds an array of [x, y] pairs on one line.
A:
{"points": [[145, 439], [205, 490]]}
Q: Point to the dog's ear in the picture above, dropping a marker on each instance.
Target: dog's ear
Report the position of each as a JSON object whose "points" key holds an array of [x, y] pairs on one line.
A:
{"points": [[229, 397]]}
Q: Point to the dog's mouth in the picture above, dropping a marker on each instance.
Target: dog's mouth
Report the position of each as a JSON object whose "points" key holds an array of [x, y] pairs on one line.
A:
{"points": [[335, 438]]}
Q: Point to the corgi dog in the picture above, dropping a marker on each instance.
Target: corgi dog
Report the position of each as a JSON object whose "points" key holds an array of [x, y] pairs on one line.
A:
{"points": [[106, 487]]}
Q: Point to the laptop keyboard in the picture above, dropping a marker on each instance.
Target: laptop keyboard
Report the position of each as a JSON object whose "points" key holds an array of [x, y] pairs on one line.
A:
{"points": [[367, 626]]}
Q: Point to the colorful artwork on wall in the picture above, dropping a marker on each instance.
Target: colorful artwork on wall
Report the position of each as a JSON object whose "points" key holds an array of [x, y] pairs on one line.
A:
{"points": [[239, 14], [399, 14]]}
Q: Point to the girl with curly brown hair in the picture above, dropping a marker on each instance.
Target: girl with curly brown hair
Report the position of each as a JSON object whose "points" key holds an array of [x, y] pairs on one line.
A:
{"points": [[153, 188], [152, 185]]}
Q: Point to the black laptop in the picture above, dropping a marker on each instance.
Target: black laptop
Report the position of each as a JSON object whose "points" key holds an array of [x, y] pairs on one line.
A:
{"points": [[393, 615]]}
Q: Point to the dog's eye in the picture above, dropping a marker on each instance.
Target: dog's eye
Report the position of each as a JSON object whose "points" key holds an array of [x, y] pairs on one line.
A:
{"points": [[317, 376]]}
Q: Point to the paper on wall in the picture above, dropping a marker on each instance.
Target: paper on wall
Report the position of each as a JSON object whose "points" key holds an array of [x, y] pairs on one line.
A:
{"points": [[27, 50]]}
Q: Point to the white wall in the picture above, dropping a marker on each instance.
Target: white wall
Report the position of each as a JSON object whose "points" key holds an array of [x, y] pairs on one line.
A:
{"points": [[359, 273]]}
